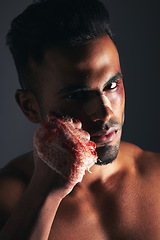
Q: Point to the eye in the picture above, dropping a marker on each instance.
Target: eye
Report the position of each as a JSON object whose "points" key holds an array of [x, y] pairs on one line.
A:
{"points": [[76, 95], [112, 85], [71, 96]]}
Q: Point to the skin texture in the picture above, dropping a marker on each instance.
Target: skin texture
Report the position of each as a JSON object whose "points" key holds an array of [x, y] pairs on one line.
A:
{"points": [[119, 200]]}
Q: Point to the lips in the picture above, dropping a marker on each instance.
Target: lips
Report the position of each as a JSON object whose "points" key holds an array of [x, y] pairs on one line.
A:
{"points": [[104, 136]]}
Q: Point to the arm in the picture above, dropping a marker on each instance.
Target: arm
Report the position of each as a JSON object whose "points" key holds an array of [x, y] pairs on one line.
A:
{"points": [[33, 215], [35, 212]]}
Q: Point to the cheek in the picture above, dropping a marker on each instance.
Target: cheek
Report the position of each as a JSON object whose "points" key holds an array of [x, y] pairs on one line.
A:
{"points": [[66, 109], [118, 100]]}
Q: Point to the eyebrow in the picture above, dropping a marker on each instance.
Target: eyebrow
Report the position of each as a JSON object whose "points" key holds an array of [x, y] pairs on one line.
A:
{"points": [[115, 77], [74, 88], [77, 88]]}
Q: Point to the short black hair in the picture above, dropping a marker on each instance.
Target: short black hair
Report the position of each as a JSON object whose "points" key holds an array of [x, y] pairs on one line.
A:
{"points": [[53, 23]]}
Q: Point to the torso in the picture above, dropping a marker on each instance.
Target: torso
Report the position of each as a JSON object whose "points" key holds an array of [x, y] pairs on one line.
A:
{"points": [[124, 206]]}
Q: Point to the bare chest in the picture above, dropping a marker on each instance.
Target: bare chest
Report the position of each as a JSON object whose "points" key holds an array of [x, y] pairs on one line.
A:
{"points": [[127, 211]]}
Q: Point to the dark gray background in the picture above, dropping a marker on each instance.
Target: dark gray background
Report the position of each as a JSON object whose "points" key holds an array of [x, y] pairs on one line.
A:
{"points": [[135, 25]]}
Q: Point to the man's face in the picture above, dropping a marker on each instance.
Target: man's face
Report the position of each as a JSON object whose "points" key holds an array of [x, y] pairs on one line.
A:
{"points": [[85, 83]]}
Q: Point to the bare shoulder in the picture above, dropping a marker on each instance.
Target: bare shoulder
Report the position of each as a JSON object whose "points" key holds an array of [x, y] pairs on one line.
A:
{"points": [[23, 164], [14, 178], [130, 150], [149, 163], [144, 161]]}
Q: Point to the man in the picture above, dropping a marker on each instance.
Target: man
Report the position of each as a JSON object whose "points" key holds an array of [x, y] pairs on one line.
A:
{"points": [[69, 71]]}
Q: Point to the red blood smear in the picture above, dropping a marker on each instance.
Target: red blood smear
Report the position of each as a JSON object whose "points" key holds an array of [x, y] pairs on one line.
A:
{"points": [[92, 147], [68, 146], [51, 133], [48, 136]]}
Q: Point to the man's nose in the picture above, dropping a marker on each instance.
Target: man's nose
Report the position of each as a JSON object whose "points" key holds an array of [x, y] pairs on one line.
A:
{"points": [[99, 108]]}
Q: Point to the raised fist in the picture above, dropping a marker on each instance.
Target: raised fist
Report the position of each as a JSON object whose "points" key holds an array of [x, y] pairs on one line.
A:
{"points": [[65, 147]]}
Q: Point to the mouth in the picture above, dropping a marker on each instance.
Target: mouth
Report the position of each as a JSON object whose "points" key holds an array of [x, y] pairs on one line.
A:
{"points": [[104, 137]]}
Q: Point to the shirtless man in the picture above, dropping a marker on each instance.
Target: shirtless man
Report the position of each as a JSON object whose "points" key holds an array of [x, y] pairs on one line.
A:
{"points": [[68, 65]]}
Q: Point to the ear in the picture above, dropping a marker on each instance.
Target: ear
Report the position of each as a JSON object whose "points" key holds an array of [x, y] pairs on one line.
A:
{"points": [[29, 105]]}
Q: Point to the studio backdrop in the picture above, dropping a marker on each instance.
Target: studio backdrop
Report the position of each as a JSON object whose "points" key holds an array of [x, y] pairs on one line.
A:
{"points": [[135, 26]]}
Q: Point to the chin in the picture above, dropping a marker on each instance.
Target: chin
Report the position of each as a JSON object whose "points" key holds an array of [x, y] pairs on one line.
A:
{"points": [[107, 154]]}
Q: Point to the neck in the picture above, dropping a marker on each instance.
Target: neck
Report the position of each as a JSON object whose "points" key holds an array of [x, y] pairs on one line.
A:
{"points": [[102, 172]]}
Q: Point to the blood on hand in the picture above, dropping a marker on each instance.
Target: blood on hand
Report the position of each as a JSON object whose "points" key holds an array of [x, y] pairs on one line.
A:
{"points": [[65, 148]]}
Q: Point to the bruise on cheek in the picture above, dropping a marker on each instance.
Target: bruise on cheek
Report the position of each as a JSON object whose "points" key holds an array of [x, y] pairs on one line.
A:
{"points": [[121, 95], [118, 96]]}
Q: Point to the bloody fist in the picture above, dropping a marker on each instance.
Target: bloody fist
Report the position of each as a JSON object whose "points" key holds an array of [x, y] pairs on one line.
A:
{"points": [[65, 147]]}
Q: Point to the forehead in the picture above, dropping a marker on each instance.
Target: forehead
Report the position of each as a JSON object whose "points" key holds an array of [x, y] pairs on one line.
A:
{"points": [[85, 64]]}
